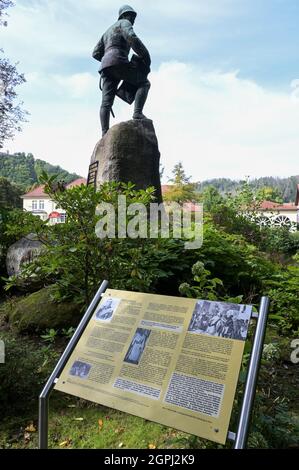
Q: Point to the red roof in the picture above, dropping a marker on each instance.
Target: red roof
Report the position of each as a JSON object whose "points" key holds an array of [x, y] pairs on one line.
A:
{"points": [[77, 182], [39, 191], [269, 205]]}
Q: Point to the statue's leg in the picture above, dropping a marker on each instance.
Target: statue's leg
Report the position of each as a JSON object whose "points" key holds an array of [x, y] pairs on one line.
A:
{"points": [[109, 87], [140, 99], [135, 76]]}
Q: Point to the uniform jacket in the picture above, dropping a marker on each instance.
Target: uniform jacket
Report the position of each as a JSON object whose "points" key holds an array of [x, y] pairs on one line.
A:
{"points": [[114, 46]]}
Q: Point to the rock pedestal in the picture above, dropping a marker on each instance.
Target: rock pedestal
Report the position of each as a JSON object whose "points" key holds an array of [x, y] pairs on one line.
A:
{"points": [[129, 153], [22, 252]]}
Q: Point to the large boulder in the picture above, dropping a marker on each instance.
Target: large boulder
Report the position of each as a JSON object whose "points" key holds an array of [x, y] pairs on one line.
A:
{"points": [[21, 253], [129, 152], [38, 312]]}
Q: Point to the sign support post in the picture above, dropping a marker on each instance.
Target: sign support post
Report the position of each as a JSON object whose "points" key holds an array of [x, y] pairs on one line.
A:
{"points": [[252, 375], [43, 416]]}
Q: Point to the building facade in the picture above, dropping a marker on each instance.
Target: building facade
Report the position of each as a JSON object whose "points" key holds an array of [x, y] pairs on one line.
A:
{"points": [[273, 214], [41, 205]]}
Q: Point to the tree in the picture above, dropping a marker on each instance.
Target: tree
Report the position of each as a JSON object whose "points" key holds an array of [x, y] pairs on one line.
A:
{"points": [[9, 195], [11, 113], [3, 5], [269, 194], [182, 190], [23, 170]]}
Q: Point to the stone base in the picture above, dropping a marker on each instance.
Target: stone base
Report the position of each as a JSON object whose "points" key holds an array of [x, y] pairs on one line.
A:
{"points": [[129, 153]]}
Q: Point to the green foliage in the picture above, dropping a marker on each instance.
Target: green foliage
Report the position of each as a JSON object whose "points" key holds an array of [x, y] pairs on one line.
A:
{"points": [[283, 292], [23, 374], [281, 427], [9, 195], [239, 264], [206, 288], [50, 335], [19, 223], [11, 112], [182, 190], [279, 241], [25, 171], [230, 214], [267, 193], [76, 260], [282, 187], [68, 332], [271, 352]]}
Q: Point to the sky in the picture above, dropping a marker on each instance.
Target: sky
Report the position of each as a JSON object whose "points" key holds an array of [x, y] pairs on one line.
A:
{"points": [[225, 82]]}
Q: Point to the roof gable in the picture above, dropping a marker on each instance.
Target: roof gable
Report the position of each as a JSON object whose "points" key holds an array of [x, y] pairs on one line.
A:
{"points": [[39, 191]]}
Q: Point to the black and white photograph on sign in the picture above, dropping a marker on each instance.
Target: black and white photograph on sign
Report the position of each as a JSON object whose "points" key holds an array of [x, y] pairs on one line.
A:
{"points": [[222, 319], [137, 346], [106, 309], [80, 369]]}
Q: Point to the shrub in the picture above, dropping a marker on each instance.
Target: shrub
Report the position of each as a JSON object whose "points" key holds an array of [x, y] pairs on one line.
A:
{"points": [[283, 292], [76, 260], [23, 374]]}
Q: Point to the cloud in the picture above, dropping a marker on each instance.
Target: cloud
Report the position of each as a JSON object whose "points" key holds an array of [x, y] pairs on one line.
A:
{"points": [[220, 125], [295, 88], [44, 34], [216, 123], [77, 85]]}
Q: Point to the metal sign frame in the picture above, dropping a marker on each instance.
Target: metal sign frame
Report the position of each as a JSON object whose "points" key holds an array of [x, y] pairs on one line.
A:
{"points": [[239, 438]]}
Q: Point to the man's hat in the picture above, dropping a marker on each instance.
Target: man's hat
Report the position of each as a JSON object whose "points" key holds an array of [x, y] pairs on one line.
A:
{"points": [[126, 9]]}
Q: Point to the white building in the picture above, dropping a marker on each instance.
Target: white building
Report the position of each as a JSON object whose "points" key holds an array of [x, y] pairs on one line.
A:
{"points": [[41, 205], [279, 215]]}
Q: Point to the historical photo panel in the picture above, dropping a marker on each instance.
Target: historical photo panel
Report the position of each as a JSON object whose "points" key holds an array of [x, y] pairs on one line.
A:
{"points": [[137, 346], [107, 309], [221, 319], [80, 369]]}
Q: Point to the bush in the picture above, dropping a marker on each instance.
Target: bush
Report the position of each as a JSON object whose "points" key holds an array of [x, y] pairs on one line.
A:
{"points": [[76, 260], [283, 293], [23, 374], [239, 264]]}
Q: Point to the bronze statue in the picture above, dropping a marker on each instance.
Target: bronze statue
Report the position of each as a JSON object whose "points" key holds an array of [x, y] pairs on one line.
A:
{"points": [[112, 51]]}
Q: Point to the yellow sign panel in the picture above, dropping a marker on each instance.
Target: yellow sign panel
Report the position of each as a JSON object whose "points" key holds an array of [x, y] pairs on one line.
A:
{"points": [[171, 360]]}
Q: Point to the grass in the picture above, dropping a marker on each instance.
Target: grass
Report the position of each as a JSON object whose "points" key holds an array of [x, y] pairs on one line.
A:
{"points": [[77, 424]]}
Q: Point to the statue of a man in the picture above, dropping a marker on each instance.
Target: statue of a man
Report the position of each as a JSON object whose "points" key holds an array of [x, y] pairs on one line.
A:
{"points": [[112, 51]]}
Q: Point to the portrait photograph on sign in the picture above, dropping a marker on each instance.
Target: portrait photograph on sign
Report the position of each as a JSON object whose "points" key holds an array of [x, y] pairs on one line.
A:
{"points": [[106, 309], [137, 346]]}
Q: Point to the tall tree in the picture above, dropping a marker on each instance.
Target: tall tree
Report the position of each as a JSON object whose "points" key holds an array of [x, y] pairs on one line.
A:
{"points": [[182, 190], [3, 5], [11, 113]]}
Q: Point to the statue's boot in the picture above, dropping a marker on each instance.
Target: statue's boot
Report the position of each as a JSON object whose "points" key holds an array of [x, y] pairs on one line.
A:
{"points": [[105, 119], [140, 99]]}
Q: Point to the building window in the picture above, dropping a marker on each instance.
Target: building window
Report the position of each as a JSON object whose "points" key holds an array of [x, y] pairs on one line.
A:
{"points": [[34, 205], [41, 205], [62, 218]]}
